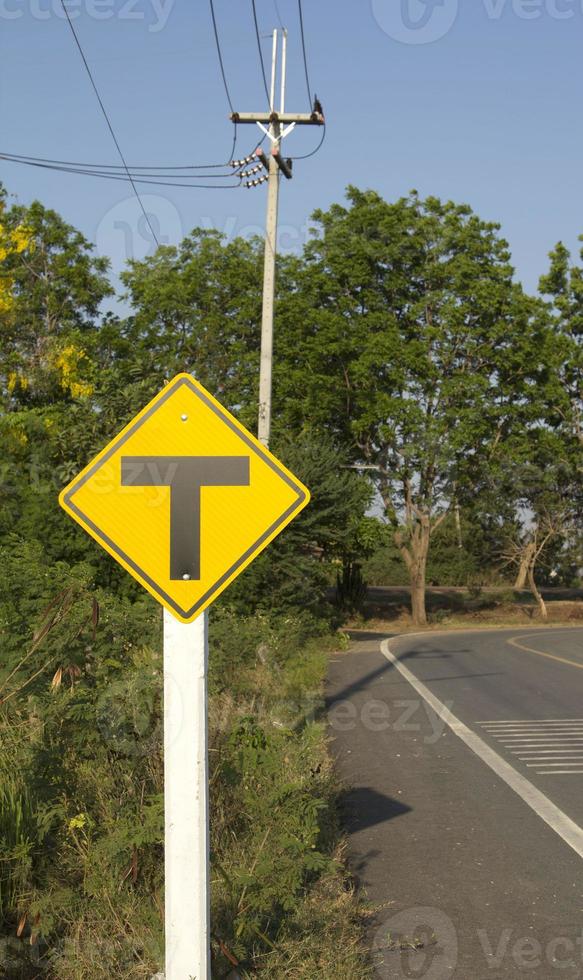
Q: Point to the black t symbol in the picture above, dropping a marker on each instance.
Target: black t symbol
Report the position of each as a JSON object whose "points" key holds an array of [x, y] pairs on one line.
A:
{"points": [[185, 475]]}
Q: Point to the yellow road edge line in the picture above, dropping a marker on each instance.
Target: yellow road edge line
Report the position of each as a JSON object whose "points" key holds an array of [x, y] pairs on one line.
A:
{"points": [[513, 641]]}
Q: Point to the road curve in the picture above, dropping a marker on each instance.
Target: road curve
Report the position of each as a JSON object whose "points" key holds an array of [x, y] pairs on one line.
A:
{"points": [[463, 754]]}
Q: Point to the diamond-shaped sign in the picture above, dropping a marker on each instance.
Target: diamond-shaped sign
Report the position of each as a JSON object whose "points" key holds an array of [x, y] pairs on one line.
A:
{"points": [[184, 497]]}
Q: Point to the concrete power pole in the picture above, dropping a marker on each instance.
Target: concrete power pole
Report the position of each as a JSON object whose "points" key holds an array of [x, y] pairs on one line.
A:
{"points": [[280, 125]]}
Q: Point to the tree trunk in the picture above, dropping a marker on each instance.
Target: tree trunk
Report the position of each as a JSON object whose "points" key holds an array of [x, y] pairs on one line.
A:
{"points": [[418, 610], [525, 561], [458, 526], [414, 554], [533, 588], [418, 570]]}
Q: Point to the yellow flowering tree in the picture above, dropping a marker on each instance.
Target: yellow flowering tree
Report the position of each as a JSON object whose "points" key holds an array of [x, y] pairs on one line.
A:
{"points": [[13, 241], [51, 289], [71, 363]]}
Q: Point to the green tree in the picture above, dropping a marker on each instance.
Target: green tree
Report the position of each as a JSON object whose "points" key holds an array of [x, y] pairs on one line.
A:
{"points": [[405, 335], [547, 486], [562, 286], [197, 307], [294, 572], [49, 327]]}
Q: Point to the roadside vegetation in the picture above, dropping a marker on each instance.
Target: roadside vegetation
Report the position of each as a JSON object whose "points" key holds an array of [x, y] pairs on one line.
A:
{"points": [[433, 408], [474, 608]]}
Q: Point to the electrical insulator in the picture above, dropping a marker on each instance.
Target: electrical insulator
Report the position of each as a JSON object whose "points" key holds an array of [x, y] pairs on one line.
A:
{"points": [[257, 181], [241, 163], [249, 173]]}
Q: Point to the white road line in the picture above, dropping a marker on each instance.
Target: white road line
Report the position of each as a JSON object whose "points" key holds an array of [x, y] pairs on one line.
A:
{"points": [[560, 772], [561, 733], [559, 737], [541, 741], [549, 764], [548, 811], [533, 722], [537, 739], [559, 744], [545, 756], [517, 729], [528, 721]]}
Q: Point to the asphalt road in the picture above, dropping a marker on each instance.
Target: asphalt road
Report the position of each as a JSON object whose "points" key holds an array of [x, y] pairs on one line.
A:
{"points": [[463, 758]]}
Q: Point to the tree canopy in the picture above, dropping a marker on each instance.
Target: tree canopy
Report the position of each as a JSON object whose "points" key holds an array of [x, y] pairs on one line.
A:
{"points": [[407, 337]]}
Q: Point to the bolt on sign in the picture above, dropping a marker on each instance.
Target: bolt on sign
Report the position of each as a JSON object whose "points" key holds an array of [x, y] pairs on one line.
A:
{"points": [[184, 497]]}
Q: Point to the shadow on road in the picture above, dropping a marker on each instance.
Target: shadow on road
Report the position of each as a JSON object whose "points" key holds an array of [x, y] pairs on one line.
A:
{"points": [[362, 807], [424, 652]]}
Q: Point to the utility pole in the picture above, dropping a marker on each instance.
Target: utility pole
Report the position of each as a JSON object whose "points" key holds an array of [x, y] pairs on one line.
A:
{"points": [[275, 166]]}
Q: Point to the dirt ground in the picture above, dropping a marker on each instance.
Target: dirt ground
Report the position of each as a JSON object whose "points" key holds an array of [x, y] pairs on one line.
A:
{"points": [[387, 607]]}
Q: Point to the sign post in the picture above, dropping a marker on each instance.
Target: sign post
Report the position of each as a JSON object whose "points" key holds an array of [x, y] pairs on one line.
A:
{"points": [[187, 893], [184, 498]]}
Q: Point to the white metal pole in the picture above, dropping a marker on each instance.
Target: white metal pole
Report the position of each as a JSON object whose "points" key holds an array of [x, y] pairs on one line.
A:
{"points": [[283, 68], [266, 358], [187, 885], [273, 66]]}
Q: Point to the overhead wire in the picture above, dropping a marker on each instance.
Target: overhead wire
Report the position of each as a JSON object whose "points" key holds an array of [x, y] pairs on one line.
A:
{"points": [[261, 61], [305, 156], [220, 56], [117, 166], [278, 14], [108, 170], [223, 74], [172, 175], [132, 179], [108, 121], [304, 52]]}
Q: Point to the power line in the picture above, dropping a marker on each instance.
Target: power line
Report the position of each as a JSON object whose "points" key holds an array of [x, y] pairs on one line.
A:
{"points": [[218, 44], [123, 177], [117, 166], [109, 170], [234, 144], [223, 73], [278, 14], [109, 126], [260, 51], [305, 156], [304, 53]]}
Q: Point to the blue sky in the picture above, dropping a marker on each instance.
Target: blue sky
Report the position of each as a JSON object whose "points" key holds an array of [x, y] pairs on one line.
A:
{"points": [[475, 100]]}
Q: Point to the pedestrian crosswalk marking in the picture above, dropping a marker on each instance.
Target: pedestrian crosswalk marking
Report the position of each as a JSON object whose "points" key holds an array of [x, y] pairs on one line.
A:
{"points": [[550, 746]]}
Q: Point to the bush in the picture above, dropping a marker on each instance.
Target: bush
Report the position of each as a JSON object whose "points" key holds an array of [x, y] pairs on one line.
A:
{"points": [[351, 588], [81, 808], [294, 572]]}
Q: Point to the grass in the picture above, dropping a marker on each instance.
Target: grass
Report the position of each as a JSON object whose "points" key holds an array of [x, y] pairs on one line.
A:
{"points": [[325, 937], [283, 903], [81, 819]]}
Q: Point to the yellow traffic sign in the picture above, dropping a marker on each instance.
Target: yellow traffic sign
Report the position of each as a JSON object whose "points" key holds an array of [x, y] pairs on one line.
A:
{"points": [[184, 497]]}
